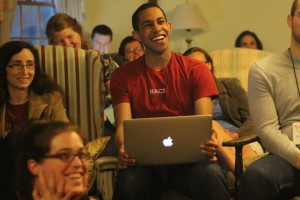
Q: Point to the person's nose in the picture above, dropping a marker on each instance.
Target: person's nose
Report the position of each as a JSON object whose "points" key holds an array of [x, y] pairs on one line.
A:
{"points": [[77, 161], [156, 27], [67, 42], [24, 69]]}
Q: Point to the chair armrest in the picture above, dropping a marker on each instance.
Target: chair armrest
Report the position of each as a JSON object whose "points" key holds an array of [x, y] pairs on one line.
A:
{"points": [[106, 163], [239, 142]]}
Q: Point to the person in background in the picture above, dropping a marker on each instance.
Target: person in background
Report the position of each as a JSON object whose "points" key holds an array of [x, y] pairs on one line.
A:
{"points": [[63, 30], [273, 93], [248, 39], [25, 93], [231, 113], [186, 88], [101, 38], [130, 49], [51, 162]]}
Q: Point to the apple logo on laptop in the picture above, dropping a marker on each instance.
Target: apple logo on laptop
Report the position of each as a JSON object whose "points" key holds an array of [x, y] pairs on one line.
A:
{"points": [[168, 142]]}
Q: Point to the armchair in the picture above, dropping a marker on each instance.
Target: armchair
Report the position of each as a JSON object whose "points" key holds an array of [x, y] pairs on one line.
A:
{"points": [[236, 62], [80, 74]]}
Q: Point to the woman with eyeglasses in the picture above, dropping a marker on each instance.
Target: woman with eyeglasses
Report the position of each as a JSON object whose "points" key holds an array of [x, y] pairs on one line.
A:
{"points": [[130, 49], [25, 93], [51, 162], [230, 113]]}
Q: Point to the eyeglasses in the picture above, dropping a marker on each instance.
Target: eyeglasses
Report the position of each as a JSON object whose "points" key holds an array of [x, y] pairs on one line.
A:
{"points": [[137, 49], [68, 157], [19, 66]]}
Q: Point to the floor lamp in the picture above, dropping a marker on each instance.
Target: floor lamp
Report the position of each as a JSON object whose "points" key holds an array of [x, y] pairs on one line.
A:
{"points": [[188, 17]]}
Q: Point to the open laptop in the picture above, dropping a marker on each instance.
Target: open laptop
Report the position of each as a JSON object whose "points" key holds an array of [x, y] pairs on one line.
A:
{"points": [[167, 140]]}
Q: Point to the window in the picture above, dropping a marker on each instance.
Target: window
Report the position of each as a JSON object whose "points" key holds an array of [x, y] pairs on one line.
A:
{"points": [[31, 19]]}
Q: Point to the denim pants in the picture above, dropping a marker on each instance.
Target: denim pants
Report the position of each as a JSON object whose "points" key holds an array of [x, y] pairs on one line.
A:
{"points": [[270, 177], [196, 181]]}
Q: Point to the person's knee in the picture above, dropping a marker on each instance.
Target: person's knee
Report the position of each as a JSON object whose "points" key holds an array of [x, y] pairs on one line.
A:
{"points": [[211, 172]]}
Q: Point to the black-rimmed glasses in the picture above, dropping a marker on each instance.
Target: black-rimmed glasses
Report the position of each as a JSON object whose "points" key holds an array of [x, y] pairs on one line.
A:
{"points": [[19, 65], [68, 157], [137, 49]]}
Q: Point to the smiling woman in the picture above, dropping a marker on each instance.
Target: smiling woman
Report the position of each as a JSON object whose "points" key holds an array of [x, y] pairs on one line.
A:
{"points": [[25, 93], [51, 161]]}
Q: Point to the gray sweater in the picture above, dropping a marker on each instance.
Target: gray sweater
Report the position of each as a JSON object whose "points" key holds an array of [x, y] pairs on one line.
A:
{"points": [[275, 104]]}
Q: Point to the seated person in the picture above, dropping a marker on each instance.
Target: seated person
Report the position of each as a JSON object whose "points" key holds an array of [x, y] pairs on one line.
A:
{"points": [[274, 104], [63, 30], [51, 162], [25, 93], [186, 88], [101, 38], [230, 113], [130, 49], [248, 39]]}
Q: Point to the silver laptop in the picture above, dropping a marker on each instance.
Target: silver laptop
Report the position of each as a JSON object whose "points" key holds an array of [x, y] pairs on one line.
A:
{"points": [[167, 140]]}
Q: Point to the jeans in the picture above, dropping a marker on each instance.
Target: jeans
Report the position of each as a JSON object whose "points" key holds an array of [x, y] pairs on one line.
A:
{"points": [[196, 181], [270, 177]]}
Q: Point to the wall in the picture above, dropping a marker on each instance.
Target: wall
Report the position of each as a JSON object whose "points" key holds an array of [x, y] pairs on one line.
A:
{"points": [[114, 13], [225, 18]]}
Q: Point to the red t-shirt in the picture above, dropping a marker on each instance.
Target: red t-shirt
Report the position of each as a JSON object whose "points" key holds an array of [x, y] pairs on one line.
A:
{"points": [[171, 91]]}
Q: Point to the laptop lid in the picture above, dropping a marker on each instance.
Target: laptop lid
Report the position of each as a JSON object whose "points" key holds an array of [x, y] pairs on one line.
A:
{"points": [[167, 140]]}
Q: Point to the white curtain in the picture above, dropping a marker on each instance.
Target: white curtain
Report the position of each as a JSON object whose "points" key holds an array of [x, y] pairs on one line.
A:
{"points": [[7, 13], [74, 8]]}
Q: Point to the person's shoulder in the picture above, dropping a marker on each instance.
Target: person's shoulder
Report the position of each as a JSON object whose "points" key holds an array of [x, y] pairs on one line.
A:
{"points": [[230, 80], [278, 57], [46, 97]]}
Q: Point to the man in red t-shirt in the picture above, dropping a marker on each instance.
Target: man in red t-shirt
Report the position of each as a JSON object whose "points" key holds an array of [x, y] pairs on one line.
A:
{"points": [[163, 83]]}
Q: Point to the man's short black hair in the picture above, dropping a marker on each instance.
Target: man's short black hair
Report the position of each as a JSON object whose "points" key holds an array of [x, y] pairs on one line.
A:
{"points": [[135, 16], [103, 30]]}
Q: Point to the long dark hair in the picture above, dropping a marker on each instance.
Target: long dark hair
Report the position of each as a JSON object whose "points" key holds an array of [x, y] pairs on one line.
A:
{"points": [[41, 83], [238, 41], [34, 142]]}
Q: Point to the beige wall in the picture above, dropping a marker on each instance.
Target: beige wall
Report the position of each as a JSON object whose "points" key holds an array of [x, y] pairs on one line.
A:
{"points": [[226, 19]]}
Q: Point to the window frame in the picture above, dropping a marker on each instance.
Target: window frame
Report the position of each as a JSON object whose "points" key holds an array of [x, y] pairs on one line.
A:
{"points": [[38, 4]]}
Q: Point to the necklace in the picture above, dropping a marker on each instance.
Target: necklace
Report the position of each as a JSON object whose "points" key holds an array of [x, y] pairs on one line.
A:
{"points": [[160, 91], [294, 69]]}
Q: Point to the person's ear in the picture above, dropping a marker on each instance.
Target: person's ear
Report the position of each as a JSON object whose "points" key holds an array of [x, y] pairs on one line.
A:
{"points": [[290, 21], [170, 25], [33, 167], [136, 36]]}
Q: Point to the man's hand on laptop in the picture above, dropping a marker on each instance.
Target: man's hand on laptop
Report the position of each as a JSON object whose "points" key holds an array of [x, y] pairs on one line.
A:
{"points": [[209, 148], [124, 160]]}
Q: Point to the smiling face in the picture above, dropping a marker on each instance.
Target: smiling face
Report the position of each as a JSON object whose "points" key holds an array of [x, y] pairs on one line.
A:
{"points": [[75, 172], [20, 79], [154, 30], [67, 37]]}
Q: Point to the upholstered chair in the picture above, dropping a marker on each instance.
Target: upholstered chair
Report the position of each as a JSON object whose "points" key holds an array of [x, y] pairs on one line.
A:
{"points": [[80, 74]]}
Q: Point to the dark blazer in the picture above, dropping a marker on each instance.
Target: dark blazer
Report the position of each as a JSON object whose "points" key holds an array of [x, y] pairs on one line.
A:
{"points": [[234, 103]]}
